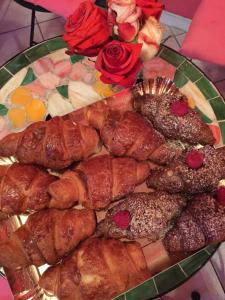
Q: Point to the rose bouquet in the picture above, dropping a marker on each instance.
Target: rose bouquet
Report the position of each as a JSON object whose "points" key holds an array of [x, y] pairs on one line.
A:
{"points": [[121, 38]]}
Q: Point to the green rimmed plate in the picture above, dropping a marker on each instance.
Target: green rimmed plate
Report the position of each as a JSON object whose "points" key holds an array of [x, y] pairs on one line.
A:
{"points": [[188, 78]]}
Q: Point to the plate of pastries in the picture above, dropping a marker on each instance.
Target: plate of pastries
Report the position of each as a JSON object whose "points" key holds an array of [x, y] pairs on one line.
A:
{"points": [[103, 198]]}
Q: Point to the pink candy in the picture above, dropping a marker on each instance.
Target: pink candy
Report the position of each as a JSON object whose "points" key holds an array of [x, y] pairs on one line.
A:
{"points": [[194, 159], [122, 219]]}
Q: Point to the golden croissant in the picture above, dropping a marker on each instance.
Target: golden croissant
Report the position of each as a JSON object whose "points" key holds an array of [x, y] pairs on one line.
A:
{"points": [[23, 188], [99, 269], [97, 181], [126, 133], [53, 144], [46, 237]]}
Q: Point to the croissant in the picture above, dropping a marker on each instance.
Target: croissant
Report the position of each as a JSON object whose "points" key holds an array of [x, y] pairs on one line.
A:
{"points": [[171, 115], [126, 133], [195, 171], [202, 223], [46, 237], [23, 188], [3, 216], [53, 144], [142, 215], [97, 181], [99, 269]]}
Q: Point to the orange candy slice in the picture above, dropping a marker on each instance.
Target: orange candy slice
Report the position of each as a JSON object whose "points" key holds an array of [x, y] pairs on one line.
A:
{"points": [[36, 110], [21, 96], [216, 132], [17, 116]]}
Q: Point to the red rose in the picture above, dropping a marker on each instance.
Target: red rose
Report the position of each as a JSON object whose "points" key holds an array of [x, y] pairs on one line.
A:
{"points": [[119, 63], [150, 8], [86, 30]]}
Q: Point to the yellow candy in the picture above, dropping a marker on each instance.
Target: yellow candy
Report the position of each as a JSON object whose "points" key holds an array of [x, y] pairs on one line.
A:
{"points": [[21, 96], [36, 110], [97, 75], [102, 89], [17, 116], [191, 102]]}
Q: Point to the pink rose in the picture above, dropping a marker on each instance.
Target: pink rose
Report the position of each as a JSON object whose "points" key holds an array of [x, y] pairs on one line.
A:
{"points": [[124, 17], [150, 37]]}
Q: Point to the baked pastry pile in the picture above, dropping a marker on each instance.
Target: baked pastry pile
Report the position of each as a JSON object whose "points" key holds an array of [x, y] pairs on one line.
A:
{"points": [[89, 257]]}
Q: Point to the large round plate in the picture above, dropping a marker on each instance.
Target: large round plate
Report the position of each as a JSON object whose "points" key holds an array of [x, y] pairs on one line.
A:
{"points": [[188, 78]]}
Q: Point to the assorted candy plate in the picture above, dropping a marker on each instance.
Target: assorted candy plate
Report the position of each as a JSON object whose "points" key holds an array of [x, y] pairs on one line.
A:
{"points": [[52, 83]]}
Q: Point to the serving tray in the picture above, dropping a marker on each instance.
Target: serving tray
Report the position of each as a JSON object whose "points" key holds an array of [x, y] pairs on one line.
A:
{"points": [[188, 79]]}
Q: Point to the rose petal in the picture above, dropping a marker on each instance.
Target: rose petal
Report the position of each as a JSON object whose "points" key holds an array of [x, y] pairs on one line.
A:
{"points": [[150, 8], [62, 68], [49, 80], [43, 65], [127, 32], [78, 71], [37, 88]]}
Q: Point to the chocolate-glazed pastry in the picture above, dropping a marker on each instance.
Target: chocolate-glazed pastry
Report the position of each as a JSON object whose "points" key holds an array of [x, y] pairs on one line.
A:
{"points": [[195, 171], [127, 133], [142, 215], [171, 115], [202, 223]]}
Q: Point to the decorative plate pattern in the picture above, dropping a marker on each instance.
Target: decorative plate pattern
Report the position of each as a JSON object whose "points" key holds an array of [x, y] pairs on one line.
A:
{"points": [[52, 84]]}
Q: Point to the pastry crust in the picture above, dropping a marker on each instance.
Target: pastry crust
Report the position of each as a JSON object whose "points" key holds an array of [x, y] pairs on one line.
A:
{"points": [[187, 128], [98, 269], [151, 216], [202, 223], [178, 177], [46, 237], [53, 144], [98, 181]]}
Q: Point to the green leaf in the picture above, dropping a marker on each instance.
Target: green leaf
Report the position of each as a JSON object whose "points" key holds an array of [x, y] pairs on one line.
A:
{"points": [[115, 36], [29, 77], [3, 110], [204, 118], [75, 58], [63, 90], [101, 3]]}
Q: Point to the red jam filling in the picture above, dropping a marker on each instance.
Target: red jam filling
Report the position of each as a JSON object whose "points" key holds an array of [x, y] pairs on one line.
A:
{"points": [[194, 159], [122, 219], [221, 195], [179, 108]]}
